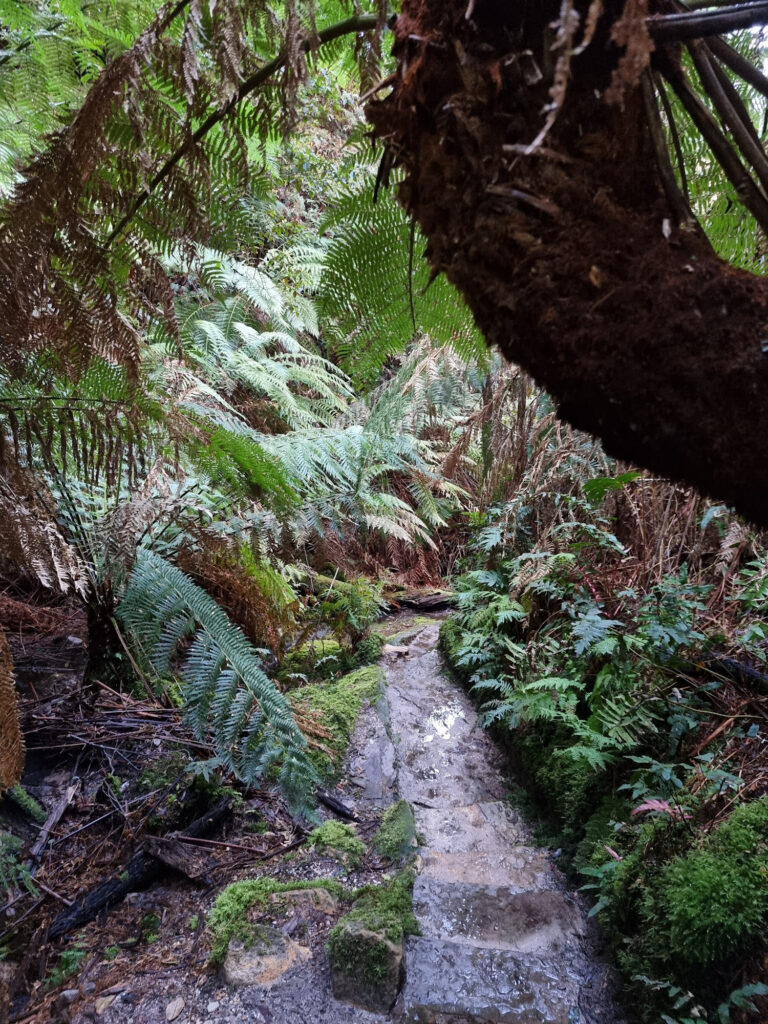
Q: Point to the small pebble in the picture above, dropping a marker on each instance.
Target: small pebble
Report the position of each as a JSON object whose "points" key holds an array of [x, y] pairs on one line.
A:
{"points": [[69, 995], [174, 1008], [212, 1006]]}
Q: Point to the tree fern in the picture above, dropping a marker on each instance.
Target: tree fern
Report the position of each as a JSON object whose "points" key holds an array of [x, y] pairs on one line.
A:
{"points": [[376, 295], [227, 693]]}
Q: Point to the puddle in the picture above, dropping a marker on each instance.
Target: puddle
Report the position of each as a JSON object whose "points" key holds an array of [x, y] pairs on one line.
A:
{"points": [[442, 720]]}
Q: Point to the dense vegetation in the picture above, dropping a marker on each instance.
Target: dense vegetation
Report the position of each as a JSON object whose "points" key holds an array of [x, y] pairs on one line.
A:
{"points": [[246, 419]]}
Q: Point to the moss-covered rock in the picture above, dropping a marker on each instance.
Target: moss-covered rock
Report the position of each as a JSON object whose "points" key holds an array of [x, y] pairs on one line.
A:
{"points": [[365, 948], [231, 917], [339, 840], [366, 968], [326, 658], [337, 706], [396, 837]]}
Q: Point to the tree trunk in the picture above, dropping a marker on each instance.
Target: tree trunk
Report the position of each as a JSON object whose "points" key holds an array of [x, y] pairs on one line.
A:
{"points": [[107, 661], [571, 257]]}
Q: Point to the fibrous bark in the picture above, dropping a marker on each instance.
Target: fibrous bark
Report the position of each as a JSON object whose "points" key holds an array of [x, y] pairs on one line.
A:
{"points": [[572, 257]]}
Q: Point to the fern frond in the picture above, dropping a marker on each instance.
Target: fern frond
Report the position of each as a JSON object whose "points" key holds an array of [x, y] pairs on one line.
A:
{"points": [[226, 689]]}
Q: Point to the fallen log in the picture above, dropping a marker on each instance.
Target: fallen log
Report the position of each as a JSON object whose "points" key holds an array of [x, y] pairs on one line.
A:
{"points": [[142, 869]]}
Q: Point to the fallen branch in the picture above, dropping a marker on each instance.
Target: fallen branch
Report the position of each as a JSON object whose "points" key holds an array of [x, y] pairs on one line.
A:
{"points": [[335, 805], [142, 869], [36, 853]]}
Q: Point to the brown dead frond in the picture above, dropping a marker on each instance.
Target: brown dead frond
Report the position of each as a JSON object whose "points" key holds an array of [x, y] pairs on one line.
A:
{"points": [[11, 742]]}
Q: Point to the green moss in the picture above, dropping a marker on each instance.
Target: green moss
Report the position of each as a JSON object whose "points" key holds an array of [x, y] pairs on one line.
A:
{"points": [[367, 961], [600, 832], [317, 659], [712, 903], [338, 705], [386, 908], [397, 833], [228, 918], [27, 804], [328, 659], [338, 839]]}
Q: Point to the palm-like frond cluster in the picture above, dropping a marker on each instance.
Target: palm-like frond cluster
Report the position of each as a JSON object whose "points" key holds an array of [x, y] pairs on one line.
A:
{"points": [[81, 232]]}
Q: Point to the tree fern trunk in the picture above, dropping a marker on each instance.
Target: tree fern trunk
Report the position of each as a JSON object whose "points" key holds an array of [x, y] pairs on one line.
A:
{"points": [[571, 257], [107, 661], [11, 741]]}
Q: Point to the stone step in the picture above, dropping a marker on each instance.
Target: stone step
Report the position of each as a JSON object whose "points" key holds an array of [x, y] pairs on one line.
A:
{"points": [[492, 826], [523, 867], [496, 917], [451, 983]]}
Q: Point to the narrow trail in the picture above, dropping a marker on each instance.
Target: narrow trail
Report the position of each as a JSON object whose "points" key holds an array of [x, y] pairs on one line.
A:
{"points": [[502, 939]]}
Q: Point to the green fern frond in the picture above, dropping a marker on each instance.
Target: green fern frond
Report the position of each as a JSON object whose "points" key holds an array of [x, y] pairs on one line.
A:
{"points": [[375, 293], [226, 690]]}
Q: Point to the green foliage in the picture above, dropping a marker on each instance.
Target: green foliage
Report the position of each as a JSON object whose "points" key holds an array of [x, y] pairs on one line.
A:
{"points": [[229, 916], [714, 900], [396, 836], [27, 803], [337, 705], [225, 686], [69, 964], [338, 838], [14, 872], [376, 292], [386, 908]]}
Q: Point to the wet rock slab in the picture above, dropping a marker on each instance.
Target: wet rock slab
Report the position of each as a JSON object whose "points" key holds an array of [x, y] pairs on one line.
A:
{"points": [[456, 983], [528, 920]]}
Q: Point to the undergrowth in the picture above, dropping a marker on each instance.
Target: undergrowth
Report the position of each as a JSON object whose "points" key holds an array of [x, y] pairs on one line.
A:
{"points": [[615, 703], [338, 705]]}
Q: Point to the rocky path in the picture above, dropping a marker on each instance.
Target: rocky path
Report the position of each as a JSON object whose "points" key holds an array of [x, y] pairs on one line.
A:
{"points": [[501, 940]]}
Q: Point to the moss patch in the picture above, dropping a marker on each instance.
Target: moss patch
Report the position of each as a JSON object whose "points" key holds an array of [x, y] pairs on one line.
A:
{"points": [[385, 908], [396, 836], [338, 705], [339, 840], [229, 919], [328, 659], [712, 902]]}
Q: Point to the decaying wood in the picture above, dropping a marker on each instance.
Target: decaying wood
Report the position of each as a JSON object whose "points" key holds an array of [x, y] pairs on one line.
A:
{"points": [[180, 857], [36, 853], [337, 806], [142, 869]]}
